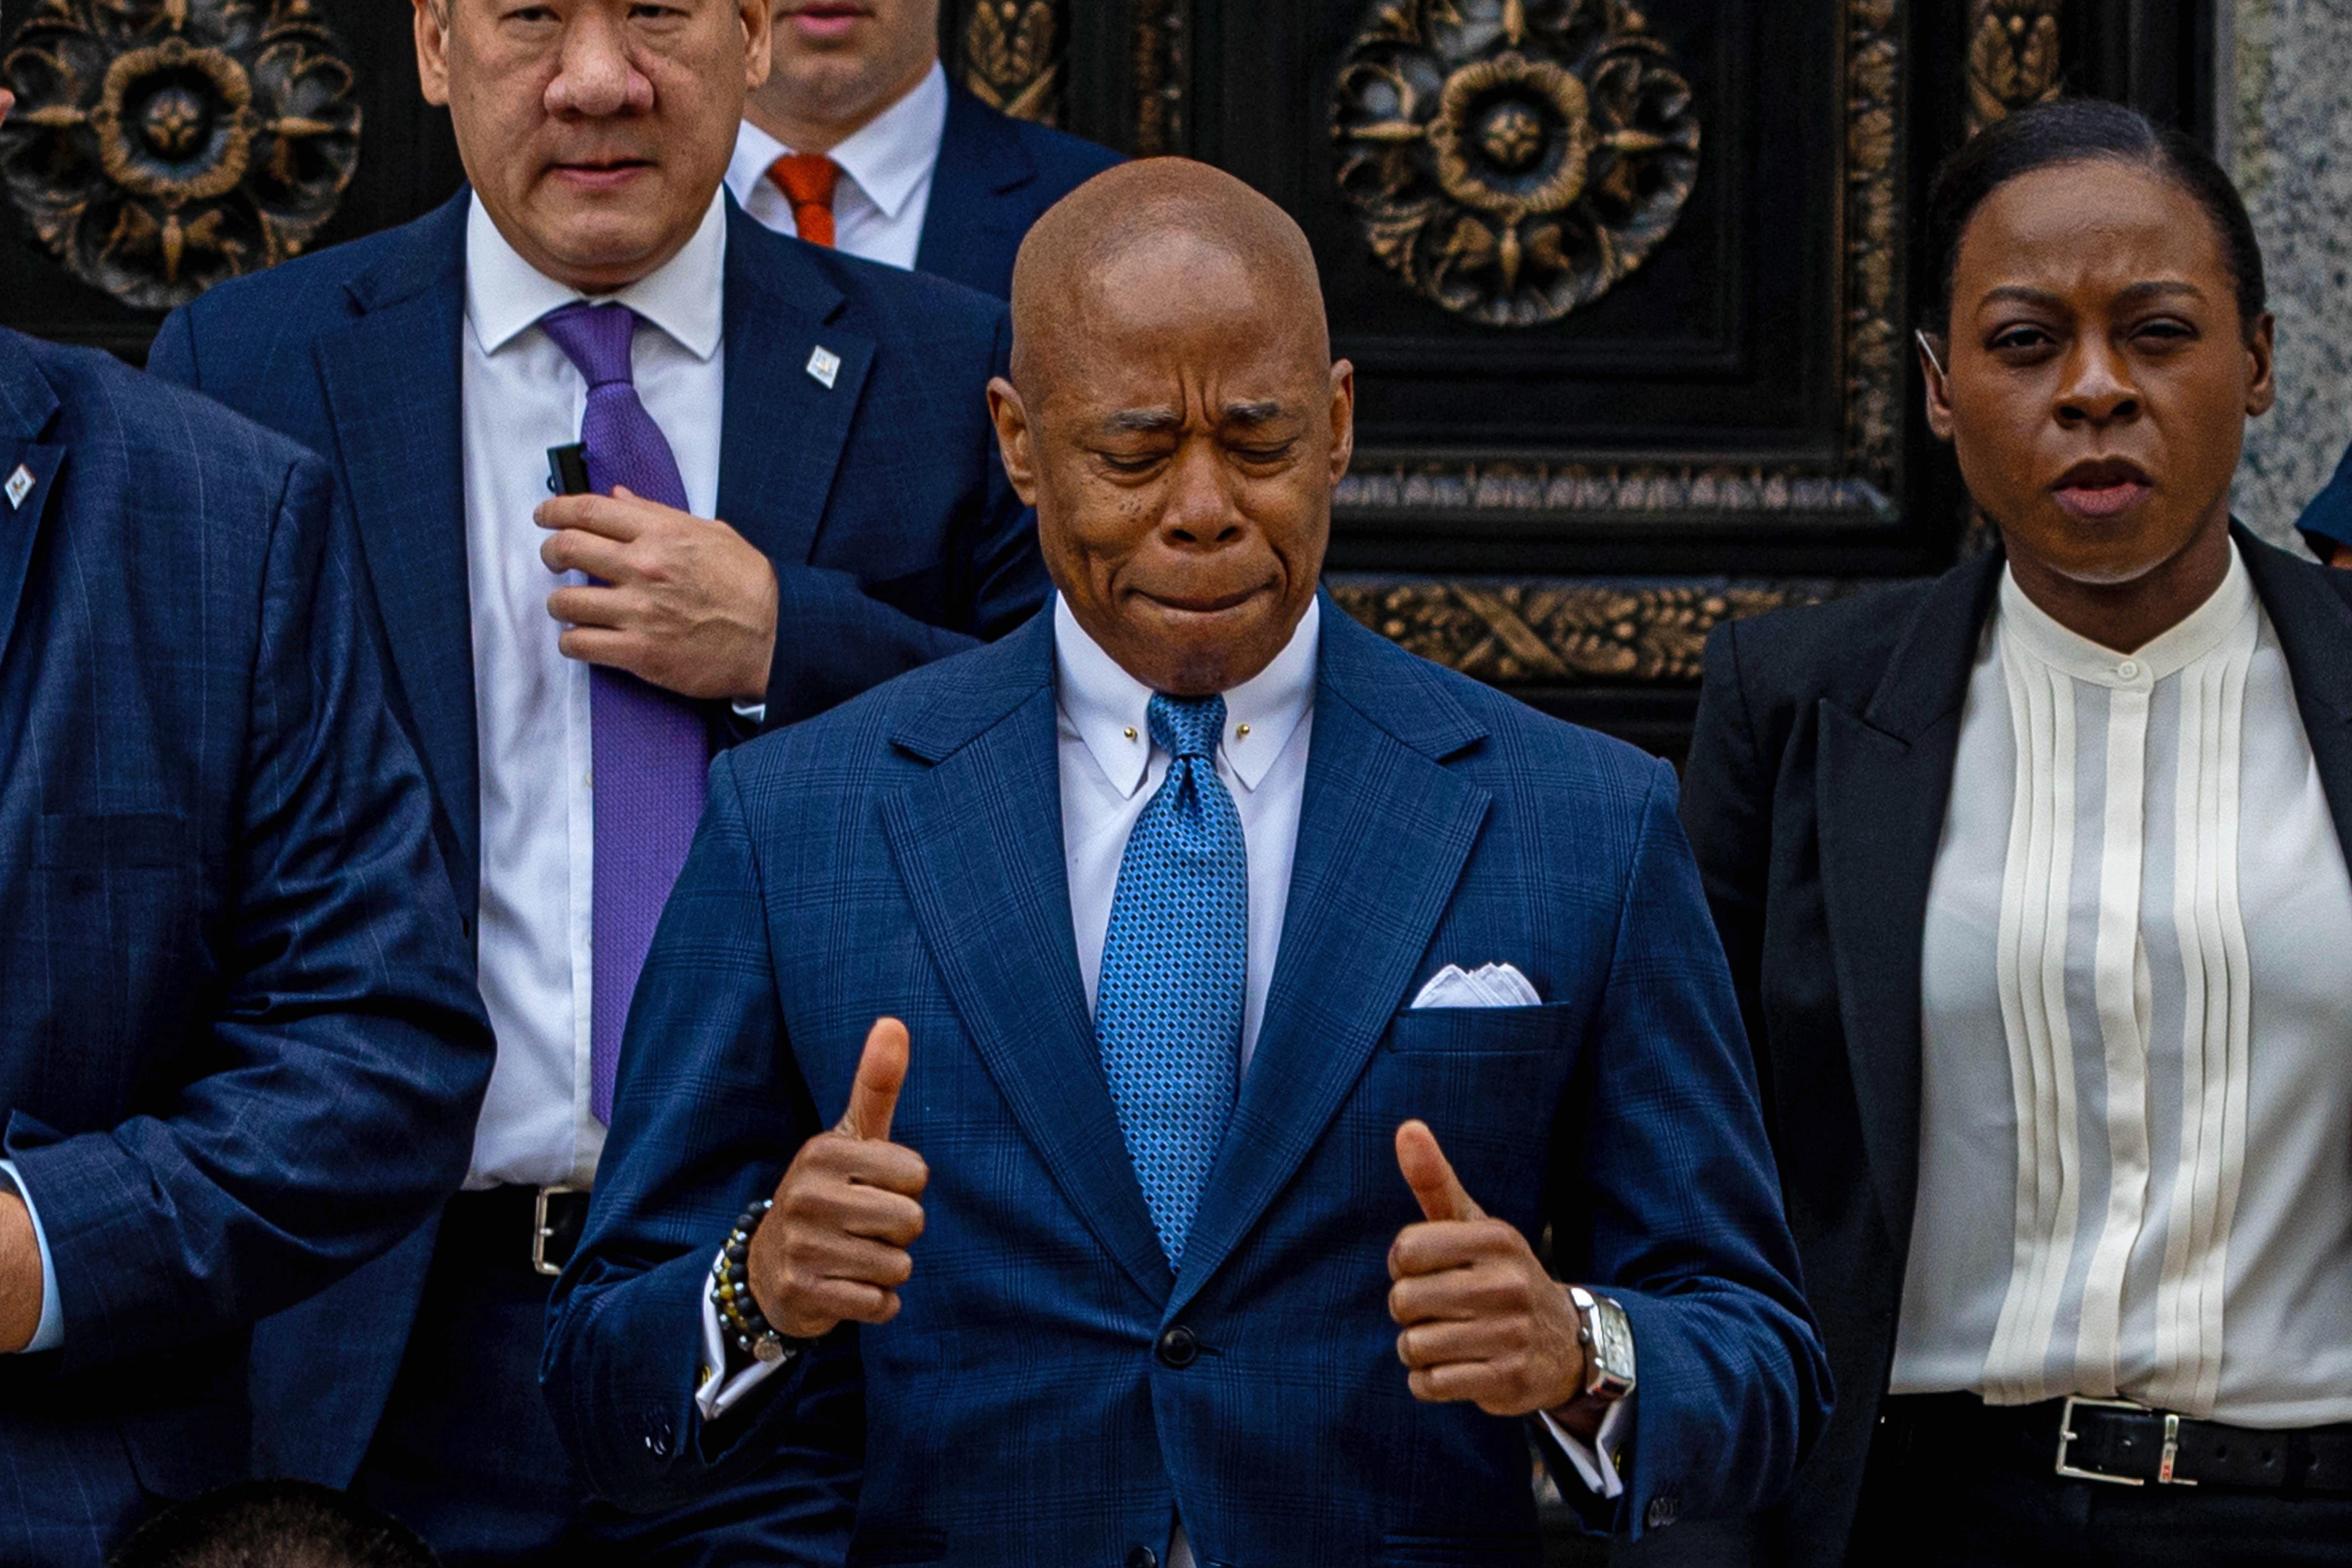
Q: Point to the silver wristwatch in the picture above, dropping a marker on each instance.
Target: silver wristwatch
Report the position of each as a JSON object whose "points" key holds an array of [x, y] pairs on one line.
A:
{"points": [[1607, 1336]]}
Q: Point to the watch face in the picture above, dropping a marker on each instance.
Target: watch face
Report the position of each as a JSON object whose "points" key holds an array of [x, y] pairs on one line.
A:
{"points": [[1616, 1345]]}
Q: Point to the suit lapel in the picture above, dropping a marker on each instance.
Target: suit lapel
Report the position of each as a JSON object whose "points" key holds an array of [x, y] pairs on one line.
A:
{"points": [[2315, 632], [28, 473], [392, 378], [978, 843], [784, 426], [1883, 782], [1384, 831], [970, 234]]}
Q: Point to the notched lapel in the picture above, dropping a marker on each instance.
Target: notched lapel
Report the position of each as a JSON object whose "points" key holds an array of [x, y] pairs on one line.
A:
{"points": [[2314, 631], [1883, 782], [784, 429], [402, 446], [1881, 806], [978, 843], [1383, 835], [21, 521]]}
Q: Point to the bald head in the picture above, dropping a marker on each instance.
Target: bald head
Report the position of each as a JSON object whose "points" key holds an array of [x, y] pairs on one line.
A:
{"points": [[1115, 240], [1175, 417]]}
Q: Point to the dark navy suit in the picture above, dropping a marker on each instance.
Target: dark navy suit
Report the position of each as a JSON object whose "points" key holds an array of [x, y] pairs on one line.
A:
{"points": [[880, 500], [239, 1045], [903, 856], [996, 175]]}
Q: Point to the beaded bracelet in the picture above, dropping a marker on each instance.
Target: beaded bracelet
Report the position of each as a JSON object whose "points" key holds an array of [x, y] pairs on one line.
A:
{"points": [[731, 1292]]}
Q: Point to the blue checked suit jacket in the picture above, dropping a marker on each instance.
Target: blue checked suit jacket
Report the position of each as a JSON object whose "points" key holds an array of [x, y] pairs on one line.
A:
{"points": [[894, 536], [240, 1044], [903, 856]]}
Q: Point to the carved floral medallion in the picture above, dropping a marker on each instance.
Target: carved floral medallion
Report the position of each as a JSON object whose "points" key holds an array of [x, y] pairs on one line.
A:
{"points": [[1511, 160], [159, 146]]}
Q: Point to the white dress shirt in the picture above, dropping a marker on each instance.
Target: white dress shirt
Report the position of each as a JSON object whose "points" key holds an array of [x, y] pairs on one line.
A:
{"points": [[886, 186], [1110, 769], [522, 396], [2133, 1177]]}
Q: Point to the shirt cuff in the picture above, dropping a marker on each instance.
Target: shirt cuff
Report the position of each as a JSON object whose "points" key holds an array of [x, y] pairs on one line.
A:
{"points": [[1596, 1463], [718, 1392], [51, 1333]]}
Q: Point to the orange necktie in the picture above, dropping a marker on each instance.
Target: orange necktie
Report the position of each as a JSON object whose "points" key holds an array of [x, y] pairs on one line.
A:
{"points": [[807, 180]]}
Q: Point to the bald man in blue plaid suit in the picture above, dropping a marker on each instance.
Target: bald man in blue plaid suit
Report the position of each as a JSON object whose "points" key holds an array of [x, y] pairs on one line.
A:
{"points": [[1251, 996]]}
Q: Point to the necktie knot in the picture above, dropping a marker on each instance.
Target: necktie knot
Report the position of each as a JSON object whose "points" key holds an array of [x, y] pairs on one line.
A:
{"points": [[1187, 726], [807, 180], [595, 339]]}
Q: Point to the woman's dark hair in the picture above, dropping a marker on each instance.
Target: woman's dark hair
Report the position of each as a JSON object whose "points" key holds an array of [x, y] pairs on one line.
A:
{"points": [[2073, 131]]}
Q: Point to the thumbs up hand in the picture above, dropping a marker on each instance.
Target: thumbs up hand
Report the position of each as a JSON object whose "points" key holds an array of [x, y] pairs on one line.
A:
{"points": [[834, 1248], [1482, 1321]]}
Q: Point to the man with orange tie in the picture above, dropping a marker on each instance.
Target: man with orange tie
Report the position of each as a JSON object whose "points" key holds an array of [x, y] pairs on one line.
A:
{"points": [[859, 141], [795, 496]]}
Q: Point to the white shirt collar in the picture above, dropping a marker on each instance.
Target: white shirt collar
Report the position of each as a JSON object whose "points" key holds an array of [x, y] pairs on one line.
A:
{"points": [[886, 158], [1111, 709], [2202, 632], [685, 296]]}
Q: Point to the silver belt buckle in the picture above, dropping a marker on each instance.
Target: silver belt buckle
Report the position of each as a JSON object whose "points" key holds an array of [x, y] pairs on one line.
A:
{"points": [[541, 1233], [2066, 1437]]}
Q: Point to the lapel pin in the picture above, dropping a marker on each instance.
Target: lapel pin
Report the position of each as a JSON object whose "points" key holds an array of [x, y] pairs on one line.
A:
{"points": [[20, 485], [824, 366]]}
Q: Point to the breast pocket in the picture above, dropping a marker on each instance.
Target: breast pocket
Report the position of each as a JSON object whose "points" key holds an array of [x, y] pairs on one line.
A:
{"points": [[1544, 1028], [1488, 1082]]}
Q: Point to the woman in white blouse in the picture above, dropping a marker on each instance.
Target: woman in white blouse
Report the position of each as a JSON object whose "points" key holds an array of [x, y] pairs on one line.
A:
{"points": [[2032, 877]]}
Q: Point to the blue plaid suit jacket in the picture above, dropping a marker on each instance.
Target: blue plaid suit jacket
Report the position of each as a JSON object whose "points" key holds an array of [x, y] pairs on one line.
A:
{"points": [[240, 1044], [895, 535], [903, 856]]}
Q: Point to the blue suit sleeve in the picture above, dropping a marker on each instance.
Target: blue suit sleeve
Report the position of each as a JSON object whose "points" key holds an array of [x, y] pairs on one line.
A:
{"points": [[345, 1051], [2326, 522], [709, 1110], [1687, 1229], [50, 1332], [834, 640]]}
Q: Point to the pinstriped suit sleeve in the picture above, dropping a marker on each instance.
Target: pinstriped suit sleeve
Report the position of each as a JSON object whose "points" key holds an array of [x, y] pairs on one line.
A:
{"points": [[709, 1110], [1686, 1226], [344, 1050]]}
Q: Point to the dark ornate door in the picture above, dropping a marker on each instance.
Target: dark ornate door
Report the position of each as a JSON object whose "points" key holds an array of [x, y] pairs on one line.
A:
{"points": [[1627, 285]]}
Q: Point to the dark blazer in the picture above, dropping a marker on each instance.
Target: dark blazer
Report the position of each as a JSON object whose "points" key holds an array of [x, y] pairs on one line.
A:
{"points": [[239, 1045], [996, 176], [1815, 798], [903, 855], [880, 500]]}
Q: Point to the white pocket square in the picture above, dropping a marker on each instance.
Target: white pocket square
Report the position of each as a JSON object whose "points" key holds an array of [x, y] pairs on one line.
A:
{"points": [[1491, 985]]}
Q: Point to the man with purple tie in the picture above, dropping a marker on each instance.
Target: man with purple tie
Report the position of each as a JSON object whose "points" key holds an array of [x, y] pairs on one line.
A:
{"points": [[570, 664]]}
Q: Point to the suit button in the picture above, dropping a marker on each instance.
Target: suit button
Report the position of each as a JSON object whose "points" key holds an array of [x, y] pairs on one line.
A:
{"points": [[1142, 1557], [1178, 1347], [657, 1438], [1661, 1513]]}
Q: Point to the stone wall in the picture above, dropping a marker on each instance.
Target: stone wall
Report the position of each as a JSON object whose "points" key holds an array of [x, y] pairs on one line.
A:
{"points": [[2291, 76]]}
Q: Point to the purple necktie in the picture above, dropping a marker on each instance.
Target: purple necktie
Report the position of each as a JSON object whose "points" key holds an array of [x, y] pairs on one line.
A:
{"points": [[651, 750]]}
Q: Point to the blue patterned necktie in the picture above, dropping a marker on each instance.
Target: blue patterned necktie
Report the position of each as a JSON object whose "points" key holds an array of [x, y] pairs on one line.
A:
{"points": [[1167, 1008]]}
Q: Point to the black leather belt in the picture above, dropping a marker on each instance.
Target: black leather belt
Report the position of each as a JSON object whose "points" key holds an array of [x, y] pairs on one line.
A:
{"points": [[2123, 1444], [533, 1229]]}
